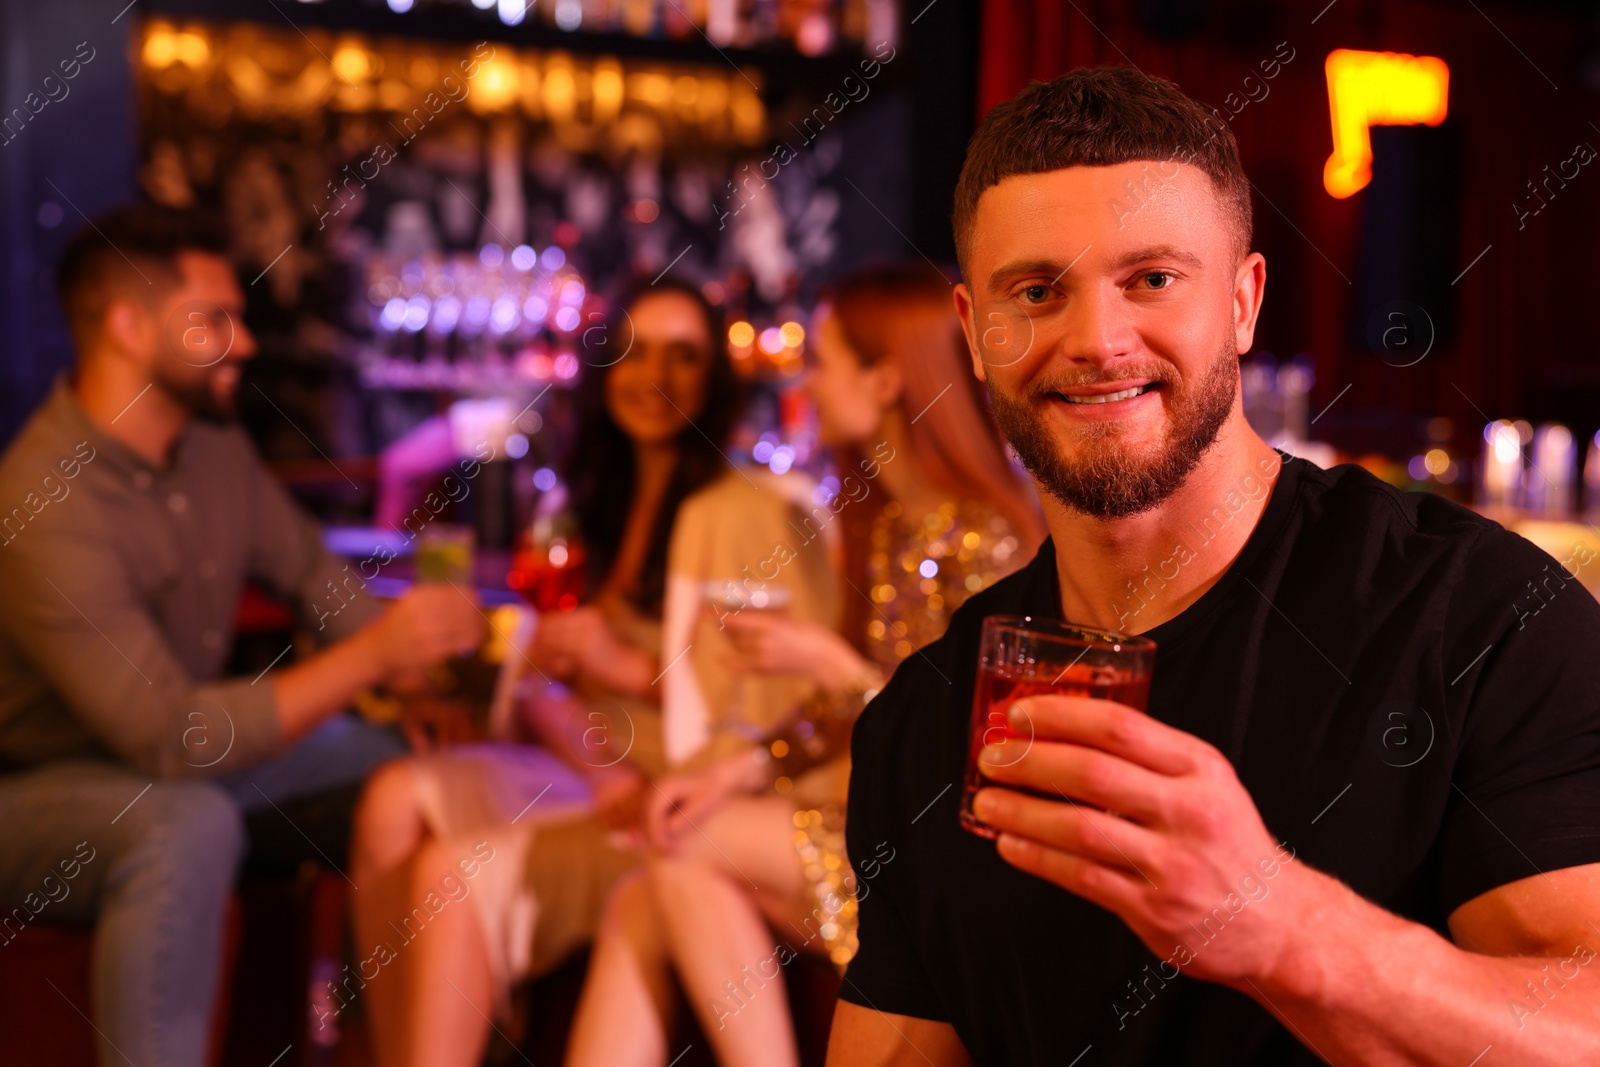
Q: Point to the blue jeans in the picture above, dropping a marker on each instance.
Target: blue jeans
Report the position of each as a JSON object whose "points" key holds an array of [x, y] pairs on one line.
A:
{"points": [[151, 864]]}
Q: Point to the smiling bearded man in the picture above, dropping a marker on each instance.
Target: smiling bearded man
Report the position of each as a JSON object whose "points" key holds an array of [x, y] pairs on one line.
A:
{"points": [[1335, 660], [1106, 481]]}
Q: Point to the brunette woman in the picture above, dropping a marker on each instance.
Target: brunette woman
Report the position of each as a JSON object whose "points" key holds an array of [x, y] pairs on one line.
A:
{"points": [[483, 865]]}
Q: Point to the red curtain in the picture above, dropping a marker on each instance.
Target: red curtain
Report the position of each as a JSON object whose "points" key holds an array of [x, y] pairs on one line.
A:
{"points": [[1526, 336]]}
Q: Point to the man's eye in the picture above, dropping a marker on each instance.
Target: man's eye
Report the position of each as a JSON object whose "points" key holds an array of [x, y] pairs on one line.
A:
{"points": [[1034, 294], [1157, 280]]}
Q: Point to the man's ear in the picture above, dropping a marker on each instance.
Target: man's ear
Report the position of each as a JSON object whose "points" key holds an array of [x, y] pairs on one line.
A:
{"points": [[1249, 290], [127, 326], [966, 312]]}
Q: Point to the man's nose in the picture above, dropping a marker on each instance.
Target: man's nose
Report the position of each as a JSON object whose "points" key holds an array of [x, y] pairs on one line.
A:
{"points": [[1096, 327], [244, 342]]}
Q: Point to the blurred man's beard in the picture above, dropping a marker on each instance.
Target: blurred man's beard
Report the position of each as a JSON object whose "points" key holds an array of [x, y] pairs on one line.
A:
{"points": [[1106, 479], [199, 396]]}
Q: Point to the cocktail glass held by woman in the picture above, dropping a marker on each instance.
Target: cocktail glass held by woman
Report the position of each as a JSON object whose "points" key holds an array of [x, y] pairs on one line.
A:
{"points": [[1021, 656], [730, 598]]}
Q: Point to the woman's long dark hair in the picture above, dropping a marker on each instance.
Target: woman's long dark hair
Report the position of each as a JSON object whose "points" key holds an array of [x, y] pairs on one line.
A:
{"points": [[600, 470]]}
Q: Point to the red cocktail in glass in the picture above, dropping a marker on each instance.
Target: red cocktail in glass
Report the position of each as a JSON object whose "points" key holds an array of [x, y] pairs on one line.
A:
{"points": [[549, 576], [1020, 657]]}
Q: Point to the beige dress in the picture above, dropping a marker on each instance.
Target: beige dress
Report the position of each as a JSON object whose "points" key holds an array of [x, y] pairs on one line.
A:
{"points": [[542, 895], [919, 570]]}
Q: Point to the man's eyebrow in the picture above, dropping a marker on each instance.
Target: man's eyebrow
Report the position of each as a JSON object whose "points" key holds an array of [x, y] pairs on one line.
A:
{"points": [[1054, 269], [1022, 268], [1158, 252]]}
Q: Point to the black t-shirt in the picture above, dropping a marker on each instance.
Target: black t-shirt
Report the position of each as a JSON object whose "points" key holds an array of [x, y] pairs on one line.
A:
{"points": [[1410, 693]]}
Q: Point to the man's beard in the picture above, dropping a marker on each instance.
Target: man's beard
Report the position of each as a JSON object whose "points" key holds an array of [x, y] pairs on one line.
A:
{"points": [[1112, 482], [198, 396]]}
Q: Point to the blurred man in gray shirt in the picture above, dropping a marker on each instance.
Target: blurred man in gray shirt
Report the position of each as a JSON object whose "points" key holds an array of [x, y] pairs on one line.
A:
{"points": [[132, 511]]}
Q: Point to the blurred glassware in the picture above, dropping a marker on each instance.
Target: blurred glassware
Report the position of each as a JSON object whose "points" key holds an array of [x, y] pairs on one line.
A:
{"points": [[487, 320], [548, 567], [1277, 398], [729, 597], [1500, 478], [1294, 386], [1552, 478], [445, 553], [1591, 478], [547, 570]]}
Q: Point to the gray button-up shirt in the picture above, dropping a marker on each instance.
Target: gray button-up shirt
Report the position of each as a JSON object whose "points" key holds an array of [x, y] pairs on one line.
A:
{"points": [[118, 585]]}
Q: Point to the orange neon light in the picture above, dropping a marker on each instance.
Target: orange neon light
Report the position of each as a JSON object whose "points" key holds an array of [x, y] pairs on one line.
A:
{"points": [[1367, 89]]}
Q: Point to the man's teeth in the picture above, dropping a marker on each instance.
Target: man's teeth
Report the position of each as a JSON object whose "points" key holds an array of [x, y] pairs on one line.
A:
{"points": [[1126, 394]]}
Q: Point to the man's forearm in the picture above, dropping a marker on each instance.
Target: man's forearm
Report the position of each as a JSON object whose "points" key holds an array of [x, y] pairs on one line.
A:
{"points": [[1365, 986], [325, 683]]}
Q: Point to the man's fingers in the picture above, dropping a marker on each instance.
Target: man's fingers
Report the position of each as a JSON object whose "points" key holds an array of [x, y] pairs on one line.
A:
{"points": [[1109, 726], [1109, 887], [1069, 827], [1079, 773]]}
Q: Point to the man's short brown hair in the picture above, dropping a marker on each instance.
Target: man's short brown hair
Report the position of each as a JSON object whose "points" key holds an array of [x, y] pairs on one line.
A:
{"points": [[135, 247], [1099, 117]]}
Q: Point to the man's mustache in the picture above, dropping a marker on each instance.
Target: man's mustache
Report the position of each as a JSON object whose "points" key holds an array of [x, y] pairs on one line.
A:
{"points": [[1154, 373]]}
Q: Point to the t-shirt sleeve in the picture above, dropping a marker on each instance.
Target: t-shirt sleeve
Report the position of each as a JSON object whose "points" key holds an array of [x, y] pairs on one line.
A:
{"points": [[1526, 796], [887, 973]]}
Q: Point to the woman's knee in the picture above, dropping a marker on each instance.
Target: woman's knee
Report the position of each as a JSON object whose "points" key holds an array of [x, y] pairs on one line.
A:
{"points": [[631, 906], [442, 865], [633, 928], [748, 841], [388, 820], [671, 881]]}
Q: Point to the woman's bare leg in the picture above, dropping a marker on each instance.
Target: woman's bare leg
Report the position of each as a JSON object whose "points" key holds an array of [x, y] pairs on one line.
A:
{"points": [[416, 1016], [732, 875], [447, 990], [388, 831], [628, 996]]}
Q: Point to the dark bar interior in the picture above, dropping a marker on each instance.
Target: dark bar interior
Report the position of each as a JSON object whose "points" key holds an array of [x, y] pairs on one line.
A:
{"points": [[487, 485]]}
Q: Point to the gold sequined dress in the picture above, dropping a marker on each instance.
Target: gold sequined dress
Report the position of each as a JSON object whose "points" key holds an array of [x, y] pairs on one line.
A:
{"points": [[919, 571]]}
